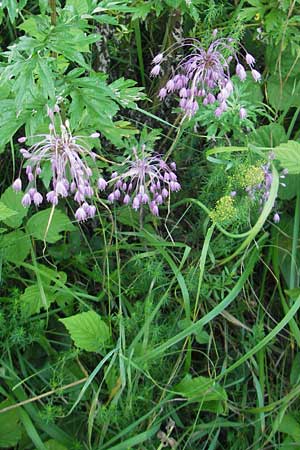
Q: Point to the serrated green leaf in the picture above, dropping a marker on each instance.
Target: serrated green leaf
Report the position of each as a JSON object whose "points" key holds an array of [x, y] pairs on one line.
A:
{"points": [[34, 298], [88, 331], [46, 77], [43, 226], [288, 154], [15, 246], [12, 200], [126, 93]]}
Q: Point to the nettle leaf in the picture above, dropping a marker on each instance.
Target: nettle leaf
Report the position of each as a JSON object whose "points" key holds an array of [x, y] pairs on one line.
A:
{"points": [[15, 246], [88, 331], [288, 155], [10, 427], [49, 226], [212, 396], [12, 200]]}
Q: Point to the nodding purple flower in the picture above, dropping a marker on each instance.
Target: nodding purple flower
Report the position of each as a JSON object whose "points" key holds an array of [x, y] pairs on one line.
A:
{"points": [[204, 73], [145, 180], [71, 175], [17, 185], [158, 59], [243, 113], [155, 70], [102, 184], [256, 75], [249, 59], [276, 218], [162, 93], [26, 200], [241, 72]]}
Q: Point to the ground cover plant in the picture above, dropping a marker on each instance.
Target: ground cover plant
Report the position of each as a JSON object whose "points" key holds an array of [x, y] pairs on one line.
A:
{"points": [[150, 213]]}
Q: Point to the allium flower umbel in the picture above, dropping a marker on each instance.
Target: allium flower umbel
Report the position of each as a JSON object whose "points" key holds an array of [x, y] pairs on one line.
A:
{"points": [[70, 172], [204, 74], [146, 180]]}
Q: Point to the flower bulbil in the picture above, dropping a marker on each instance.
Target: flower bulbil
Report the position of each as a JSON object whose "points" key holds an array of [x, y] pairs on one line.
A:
{"points": [[204, 74], [70, 172]]}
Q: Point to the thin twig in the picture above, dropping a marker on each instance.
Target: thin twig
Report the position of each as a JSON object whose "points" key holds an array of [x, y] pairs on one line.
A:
{"points": [[38, 397]]}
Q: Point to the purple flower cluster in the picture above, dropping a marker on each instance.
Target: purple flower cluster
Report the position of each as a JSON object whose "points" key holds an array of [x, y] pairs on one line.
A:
{"points": [[262, 190], [71, 174], [204, 74], [148, 180]]}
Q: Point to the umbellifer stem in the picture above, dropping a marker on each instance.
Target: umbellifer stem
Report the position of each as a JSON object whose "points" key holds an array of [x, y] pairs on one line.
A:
{"points": [[52, 4]]}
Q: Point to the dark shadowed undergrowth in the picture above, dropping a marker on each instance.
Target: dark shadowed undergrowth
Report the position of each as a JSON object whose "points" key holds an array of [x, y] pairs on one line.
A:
{"points": [[150, 213]]}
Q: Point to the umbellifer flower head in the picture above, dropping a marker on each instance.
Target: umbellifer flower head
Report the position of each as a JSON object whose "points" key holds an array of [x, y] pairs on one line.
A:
{"points": [[261, 180], [70, 172], [144, 180], [204, 74]]}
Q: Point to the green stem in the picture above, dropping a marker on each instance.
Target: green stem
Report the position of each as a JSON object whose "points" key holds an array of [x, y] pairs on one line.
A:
{"points": [[138, 40], [293, 121], [293, 271]]}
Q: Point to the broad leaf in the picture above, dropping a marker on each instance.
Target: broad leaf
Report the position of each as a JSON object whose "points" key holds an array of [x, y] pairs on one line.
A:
{"points": [[268, 135], [290, 426], [88, 331], [52, 444], [200, 388], [49, 227], [6, 212], [289, 156], [15, 246], [12, 200], [283, 94], [34, 298], [10, 428], [289, 191]]}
